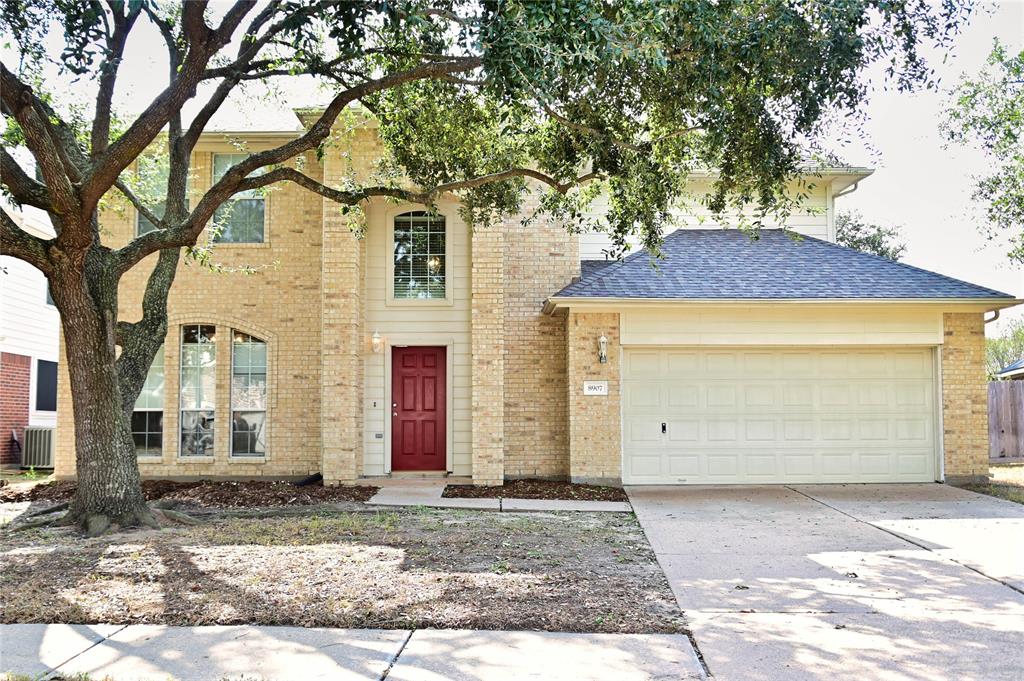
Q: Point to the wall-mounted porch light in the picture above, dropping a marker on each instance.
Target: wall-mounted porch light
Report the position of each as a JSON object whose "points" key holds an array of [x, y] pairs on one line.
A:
{"points": [[602, 349], [376, 342]]}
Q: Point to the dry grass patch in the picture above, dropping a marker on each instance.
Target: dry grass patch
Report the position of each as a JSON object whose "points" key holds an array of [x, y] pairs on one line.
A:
{"points": [[437, 568], [1007, 483]]}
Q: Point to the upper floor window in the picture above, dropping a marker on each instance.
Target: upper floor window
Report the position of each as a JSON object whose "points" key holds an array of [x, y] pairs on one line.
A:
{"points": [[148, 415], [420, 256], [248, 395], [240, 220], [198, 388]]}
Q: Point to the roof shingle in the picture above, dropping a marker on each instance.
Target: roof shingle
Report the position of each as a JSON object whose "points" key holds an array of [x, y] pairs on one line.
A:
{"points": [[729, 264]]}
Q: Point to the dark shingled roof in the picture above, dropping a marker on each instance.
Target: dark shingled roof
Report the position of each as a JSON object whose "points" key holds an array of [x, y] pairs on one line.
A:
{"points": [[728, 264]]}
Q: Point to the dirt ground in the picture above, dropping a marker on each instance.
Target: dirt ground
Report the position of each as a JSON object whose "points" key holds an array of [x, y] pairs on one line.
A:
{"points": [[418, 568], [538, 489], [215, 494]]}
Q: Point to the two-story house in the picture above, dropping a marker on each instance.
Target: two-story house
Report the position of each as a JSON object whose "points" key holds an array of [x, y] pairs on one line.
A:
{"points": [[417, 345]]}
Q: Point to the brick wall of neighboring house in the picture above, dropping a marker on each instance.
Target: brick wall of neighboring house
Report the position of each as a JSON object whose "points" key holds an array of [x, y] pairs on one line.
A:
{"points": [[540, 259], [15, 379], [280, 303], [964, 397], [595, 440]]}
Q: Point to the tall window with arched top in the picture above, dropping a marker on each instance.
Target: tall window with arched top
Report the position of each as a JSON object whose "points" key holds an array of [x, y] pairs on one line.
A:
{"points": [[198, 389], [420, 256], [248, 395]]}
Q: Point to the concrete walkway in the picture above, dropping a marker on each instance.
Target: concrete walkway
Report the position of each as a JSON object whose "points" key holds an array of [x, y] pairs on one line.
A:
{"points": [[159, 653], [844, 582], [427, 492]]}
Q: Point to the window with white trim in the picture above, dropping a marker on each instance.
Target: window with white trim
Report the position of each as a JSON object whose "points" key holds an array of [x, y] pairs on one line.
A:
{"points": [[148, 415], [420, 256], [241, 219], [248, 395], [198, 389]]}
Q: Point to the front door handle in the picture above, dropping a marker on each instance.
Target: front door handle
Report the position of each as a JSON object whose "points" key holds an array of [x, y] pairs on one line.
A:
{"points": [[664, 428]]}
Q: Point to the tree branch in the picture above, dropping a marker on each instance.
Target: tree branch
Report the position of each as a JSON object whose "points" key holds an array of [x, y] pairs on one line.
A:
{"points": [[203, 43], [143, 245], [23, 188], [100, 136], [20, 102], [138, 204], [17, 243]]}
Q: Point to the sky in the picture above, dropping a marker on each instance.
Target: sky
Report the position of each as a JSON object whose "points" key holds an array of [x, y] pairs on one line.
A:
{"points": [[918, 186], [925, 189]]}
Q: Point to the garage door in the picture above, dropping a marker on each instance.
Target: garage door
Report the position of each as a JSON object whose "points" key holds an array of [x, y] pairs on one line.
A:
{"points": [[778, 415]]}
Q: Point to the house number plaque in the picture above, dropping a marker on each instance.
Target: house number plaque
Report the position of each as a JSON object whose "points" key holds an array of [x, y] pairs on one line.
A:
{"points": [[595, 387]]}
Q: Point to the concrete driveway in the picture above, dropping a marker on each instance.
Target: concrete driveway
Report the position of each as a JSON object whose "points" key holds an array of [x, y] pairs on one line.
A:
{"points": [[837, 582]]}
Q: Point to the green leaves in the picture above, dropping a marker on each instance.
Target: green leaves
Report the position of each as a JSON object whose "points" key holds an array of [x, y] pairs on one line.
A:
{"points": [[854, 232], [987, 110]]}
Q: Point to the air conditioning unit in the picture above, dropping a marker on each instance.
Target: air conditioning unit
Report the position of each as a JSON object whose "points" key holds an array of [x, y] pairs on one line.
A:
{"points": [[38, 449]]}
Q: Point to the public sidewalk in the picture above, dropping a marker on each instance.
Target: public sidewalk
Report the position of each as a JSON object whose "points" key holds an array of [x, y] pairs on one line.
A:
{"points": [[160, 653]]}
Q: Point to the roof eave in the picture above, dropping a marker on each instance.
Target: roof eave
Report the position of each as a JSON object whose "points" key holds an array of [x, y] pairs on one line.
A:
{"points": [[556, 303]]}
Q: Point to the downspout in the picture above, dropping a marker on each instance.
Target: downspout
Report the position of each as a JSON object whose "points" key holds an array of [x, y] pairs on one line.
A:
{"points": [[995, 316]]}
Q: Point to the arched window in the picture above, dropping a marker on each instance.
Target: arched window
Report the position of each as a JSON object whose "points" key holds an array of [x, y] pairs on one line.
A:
{"points": [[248, 395], [198, 389], [420, 256]]}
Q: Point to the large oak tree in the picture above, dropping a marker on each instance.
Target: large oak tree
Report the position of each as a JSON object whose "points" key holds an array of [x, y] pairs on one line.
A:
{"points": [[480, 98]]}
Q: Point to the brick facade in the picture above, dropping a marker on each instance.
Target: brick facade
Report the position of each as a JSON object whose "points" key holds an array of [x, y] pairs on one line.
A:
{"points": [[15, 381], [517, 375], [595, 425], [964, 397], [279, 303], [541, 257], [488, 361], [341, 340]]}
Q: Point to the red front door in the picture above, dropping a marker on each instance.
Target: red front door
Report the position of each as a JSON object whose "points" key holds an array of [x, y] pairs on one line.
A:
{"points": [[418, 409]]}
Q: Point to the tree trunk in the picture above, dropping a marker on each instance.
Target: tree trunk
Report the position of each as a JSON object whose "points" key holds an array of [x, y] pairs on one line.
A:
{"points": [[109, 486]]}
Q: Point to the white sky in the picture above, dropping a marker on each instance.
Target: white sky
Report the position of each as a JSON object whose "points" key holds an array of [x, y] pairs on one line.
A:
{"points": [[925, 189], [918, 186]]}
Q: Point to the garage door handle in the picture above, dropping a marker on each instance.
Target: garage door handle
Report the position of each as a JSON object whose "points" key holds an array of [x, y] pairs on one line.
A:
{"points": [[663, 429]]}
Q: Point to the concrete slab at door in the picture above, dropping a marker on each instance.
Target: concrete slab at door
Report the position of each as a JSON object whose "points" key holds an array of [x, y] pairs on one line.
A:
{"points": [[419, 409]]}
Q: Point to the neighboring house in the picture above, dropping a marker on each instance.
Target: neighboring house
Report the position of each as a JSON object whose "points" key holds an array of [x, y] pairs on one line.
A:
{"points": [[421, 346], [1012, 372], [29, 338]]}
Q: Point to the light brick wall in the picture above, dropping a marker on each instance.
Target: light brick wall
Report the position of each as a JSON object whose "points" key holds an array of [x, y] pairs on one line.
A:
{"points": [[488, 368], [280, 304], [595, 427], [964, 397], [342, 338], [540, 259]]}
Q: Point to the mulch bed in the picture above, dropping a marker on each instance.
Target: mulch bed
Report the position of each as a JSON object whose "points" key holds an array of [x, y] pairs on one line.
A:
{"points": [[437, 568], [212, 494], [537, 489]]}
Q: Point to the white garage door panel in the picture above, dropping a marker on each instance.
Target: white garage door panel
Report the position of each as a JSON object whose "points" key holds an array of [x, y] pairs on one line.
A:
{"points": [[778, 415]]}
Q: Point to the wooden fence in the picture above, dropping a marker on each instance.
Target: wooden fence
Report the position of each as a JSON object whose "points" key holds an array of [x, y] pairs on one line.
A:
{"points": [[1005, 419]]}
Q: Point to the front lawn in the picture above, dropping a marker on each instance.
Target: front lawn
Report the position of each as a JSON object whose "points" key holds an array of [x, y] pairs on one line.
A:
{"points": [[1007, 483], [408, 569]]}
